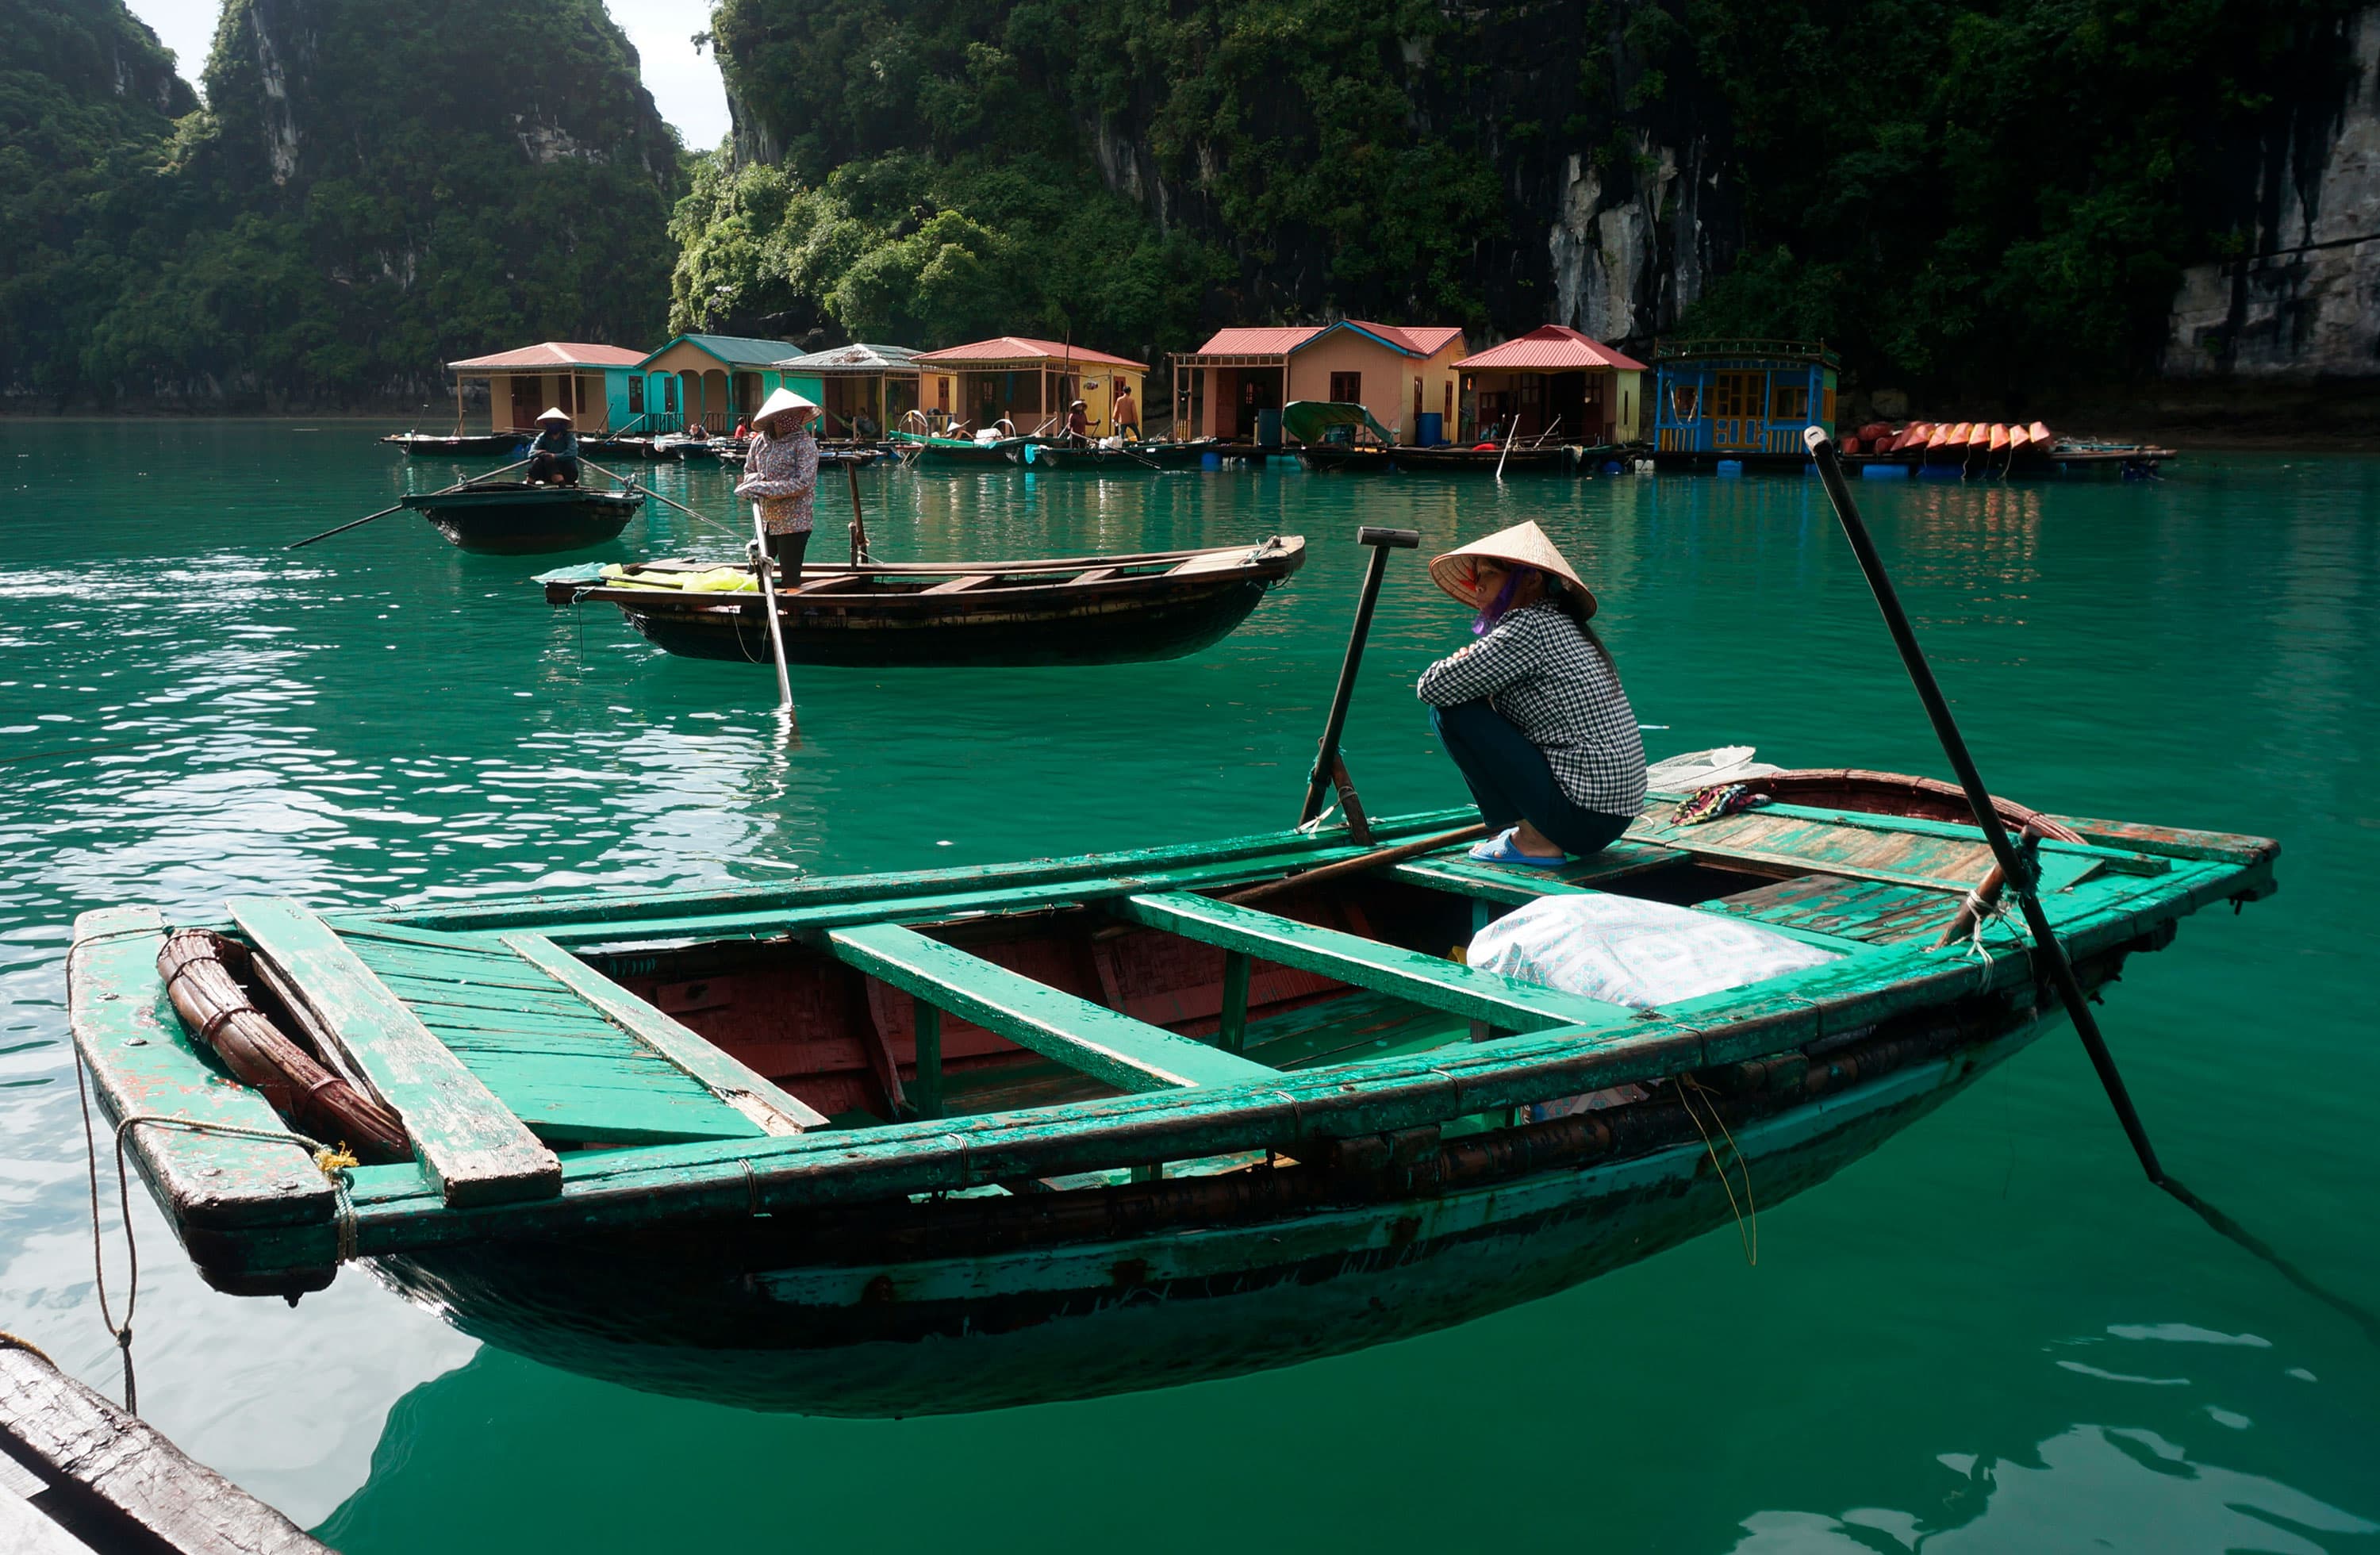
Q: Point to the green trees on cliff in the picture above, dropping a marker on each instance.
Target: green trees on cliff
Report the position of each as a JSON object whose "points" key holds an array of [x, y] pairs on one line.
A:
{"points": [[369, 191]]}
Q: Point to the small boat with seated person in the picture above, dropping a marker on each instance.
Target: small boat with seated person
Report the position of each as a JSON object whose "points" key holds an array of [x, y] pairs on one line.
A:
{"points": [[964, 1139], [514, 518], [1075, 609]]}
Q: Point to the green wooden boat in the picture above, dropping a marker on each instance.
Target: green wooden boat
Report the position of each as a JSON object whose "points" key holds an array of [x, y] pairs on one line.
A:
{"points": [[968, 1138]]}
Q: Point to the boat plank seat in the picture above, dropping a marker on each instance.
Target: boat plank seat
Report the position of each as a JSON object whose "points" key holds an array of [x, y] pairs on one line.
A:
{"points": [[744, 1088], [475, 1150], [960, 585], [1503, 1002], [1211, 561], [1128, 1053], [1096, 575], [1493, 882], [565, 1051]]}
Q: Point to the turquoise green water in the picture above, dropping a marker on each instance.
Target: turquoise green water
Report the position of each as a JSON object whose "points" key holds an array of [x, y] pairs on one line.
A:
{"points": [[1992, 1335]]}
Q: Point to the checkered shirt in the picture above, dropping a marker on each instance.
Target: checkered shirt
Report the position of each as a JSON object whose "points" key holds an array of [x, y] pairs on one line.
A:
{"points": [[1538, 671], [782, 473]]}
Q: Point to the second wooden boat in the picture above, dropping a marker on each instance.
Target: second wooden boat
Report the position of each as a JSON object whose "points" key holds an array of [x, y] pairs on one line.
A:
{"points": [[1080, 610], [1449, 460], [1131, 459], [508, 517]]}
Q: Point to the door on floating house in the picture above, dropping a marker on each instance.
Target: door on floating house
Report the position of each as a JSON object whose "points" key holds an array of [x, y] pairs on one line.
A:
{"points": [[1737, 401], [524, 408]]}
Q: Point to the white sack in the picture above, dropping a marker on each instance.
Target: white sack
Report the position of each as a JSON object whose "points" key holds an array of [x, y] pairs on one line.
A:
{"points": [[1640, 953]]}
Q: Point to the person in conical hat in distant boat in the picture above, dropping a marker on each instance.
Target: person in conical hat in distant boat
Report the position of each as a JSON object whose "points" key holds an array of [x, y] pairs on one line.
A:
{"points": [[1078, 421], [781, 476], [1532, 712], [553, 452]]}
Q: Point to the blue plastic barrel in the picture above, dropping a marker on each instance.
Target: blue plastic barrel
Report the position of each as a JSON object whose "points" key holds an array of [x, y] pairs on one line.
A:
{"points": [[1611, 467], [1881, 472], [1210, 461], [1731, 467], [1268, 429], [1430, 428]]}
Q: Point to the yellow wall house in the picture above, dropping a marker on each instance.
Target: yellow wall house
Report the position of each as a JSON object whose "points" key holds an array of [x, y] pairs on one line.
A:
{"points": [[1030, 382], [590, 382], [714, 379], [1554, 382], [1233, 386]]}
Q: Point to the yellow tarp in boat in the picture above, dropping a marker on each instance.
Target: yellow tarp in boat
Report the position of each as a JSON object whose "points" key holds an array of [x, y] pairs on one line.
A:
{"points": [[709, 580]]}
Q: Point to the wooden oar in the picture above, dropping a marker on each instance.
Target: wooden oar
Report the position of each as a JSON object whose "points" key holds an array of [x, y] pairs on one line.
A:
{"points": [[2020, 879], [858, 519], [1508, 447], [658, 497], [2018, 875], [358, 523], [1376, 858], [1382, 542], [766, 565]]}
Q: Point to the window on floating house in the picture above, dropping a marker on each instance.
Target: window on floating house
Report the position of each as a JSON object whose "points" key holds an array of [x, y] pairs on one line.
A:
{"points": [[1790, 402], [1532, 389], [636, 396], [1347, 387], [669, 396], [1685, 400]]}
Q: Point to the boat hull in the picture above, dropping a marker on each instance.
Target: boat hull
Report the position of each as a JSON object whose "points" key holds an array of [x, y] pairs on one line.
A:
{"points": [[901, 1336], [1330, 459], [422, 446], [1092, 631], [1476, 461], [522, 521], [1140, 460]]}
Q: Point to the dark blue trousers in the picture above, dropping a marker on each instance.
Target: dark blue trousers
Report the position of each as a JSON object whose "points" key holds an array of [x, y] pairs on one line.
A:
{"points": [[1511, 781]]}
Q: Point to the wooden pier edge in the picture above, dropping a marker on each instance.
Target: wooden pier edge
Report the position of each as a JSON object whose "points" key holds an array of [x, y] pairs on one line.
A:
{"points": [[112, 1478]]}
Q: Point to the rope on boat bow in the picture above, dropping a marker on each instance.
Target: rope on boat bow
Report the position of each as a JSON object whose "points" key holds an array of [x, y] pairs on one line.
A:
{"points": [[333, 1162]]}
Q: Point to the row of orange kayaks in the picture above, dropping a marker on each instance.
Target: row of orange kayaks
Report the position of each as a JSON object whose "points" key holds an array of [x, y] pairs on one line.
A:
{"points": [[1948, 439]]}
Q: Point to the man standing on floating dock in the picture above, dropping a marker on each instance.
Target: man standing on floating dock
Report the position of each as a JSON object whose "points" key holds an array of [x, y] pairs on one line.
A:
{"points": [[1127, 413]]}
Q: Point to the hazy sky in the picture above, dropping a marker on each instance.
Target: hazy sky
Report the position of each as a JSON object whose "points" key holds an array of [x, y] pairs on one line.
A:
{"points": [[684, 84]]}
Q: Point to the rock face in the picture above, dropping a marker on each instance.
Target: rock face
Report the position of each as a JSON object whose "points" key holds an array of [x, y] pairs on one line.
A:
{"points": [[2304, 301], [369, 191]]}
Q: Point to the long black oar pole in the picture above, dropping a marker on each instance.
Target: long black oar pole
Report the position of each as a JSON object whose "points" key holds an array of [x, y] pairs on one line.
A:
{"points": [[2020, 877], [360, 522], [2013, 866], [1382, 541], [658, 497]]}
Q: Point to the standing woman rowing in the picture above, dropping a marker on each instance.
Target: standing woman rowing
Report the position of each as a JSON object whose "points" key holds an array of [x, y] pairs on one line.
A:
{"points": [[1532, 712], [780, 477]]}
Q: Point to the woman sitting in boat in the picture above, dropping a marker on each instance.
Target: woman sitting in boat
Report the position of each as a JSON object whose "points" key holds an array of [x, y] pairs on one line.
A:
{"points": [[1532, 712], [554, 452], [780, 477]]}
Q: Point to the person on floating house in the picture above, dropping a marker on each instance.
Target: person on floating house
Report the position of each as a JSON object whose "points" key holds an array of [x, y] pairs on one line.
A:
{"points": [[780, 477], [553, 452], [1533, 713], [1126, 414], [1078, 422]]}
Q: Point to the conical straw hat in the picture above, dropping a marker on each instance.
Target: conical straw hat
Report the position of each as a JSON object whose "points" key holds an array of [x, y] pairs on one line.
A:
{"points": [[1524, 546], [556, 413], [779, 403]]}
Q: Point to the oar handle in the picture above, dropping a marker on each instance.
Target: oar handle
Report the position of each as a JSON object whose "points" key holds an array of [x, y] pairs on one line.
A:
{"points": [[1382, 542]]}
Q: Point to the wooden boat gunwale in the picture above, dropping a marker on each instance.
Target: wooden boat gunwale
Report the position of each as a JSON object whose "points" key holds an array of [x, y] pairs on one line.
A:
{"points": [[255, 1216]]}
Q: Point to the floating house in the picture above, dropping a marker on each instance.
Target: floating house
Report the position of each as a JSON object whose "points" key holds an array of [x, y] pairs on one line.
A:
{"points": [[1030, 382], [862, 390], [1734, 399], [714, 379], [1233, 386], [1556, 384], [596, 383]]}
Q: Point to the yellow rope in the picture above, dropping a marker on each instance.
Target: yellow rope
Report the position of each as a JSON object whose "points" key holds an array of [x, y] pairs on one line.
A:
{"points": [[1749, 1237]]}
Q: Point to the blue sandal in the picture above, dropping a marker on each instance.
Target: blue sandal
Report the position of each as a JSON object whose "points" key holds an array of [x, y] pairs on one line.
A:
{"points": [[1503, 848]]}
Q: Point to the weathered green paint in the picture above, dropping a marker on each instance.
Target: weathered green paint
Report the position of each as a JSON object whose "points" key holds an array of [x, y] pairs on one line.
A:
{"points": [[776, 1110], [1425, 979], [1231, 1029], [474, 1149], [1127, 1053], [2122, 892]]}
